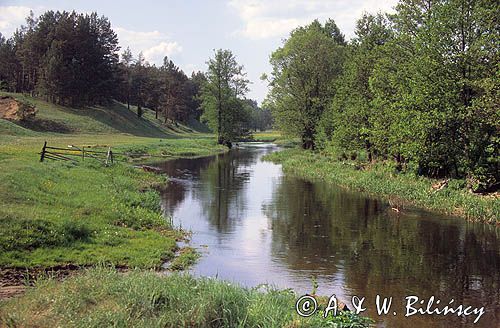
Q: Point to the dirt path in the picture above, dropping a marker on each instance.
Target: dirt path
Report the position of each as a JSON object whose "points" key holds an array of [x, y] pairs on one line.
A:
{"points": [[15, 281]]}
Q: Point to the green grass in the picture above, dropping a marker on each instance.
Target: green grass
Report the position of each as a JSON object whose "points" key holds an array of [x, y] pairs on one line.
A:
{"points": [[187, 256], [56, 213], [12, 129], [111, 119], [382, 181], [266, 136], [105, 298], [44, 205]]}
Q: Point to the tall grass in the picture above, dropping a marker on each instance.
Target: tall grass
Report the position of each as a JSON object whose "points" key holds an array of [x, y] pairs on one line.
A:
{"points": [[104, 298], [383, 181]]}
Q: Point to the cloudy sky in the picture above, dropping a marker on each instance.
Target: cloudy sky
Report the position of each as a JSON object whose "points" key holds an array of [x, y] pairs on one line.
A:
{"points": [[188, 31]]}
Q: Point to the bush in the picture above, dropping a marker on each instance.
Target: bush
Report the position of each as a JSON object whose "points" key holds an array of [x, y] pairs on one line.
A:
{"points": [[29, 234], [76, 231]]}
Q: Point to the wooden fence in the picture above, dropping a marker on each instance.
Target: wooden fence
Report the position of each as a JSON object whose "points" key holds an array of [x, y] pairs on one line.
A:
{"points": [[75, 154]]}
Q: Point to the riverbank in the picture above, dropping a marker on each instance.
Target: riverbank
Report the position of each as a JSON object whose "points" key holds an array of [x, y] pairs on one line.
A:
{"points": [[82, 244], [102, 297], [54, 213], [59, 216], [399, 189]]}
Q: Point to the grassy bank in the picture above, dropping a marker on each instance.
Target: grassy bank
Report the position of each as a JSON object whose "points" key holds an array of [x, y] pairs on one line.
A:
{"points": [[57, 213], [382, 181], [105, 298]]}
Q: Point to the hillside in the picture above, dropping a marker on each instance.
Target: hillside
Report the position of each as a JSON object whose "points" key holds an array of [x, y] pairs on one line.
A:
{"points": [[114, 118]]}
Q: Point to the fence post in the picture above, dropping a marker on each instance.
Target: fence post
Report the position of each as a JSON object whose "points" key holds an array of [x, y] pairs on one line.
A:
{"points": [[108, 156], [83, 153], [42, 154]]}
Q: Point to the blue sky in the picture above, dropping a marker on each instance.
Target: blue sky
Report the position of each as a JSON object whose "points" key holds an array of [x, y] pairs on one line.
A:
{"points": [[189, 31]]}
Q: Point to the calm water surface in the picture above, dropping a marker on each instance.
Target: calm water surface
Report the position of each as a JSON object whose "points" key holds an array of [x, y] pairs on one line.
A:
{"points": [[253, 224]]}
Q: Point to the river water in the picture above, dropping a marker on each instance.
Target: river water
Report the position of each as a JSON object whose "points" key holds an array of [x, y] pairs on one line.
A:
{"points": [[254, 224]]}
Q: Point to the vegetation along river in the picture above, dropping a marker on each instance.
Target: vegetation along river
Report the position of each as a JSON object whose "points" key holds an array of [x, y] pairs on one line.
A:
{"points": [[254, 224]]}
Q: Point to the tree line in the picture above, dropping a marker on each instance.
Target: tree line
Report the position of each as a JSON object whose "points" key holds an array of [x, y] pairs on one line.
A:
{"points": [[73, 59], [419, 87]]}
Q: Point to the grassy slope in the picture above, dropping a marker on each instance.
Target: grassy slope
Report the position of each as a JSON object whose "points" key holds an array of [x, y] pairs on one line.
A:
{"points": [[105, 298], [54, 213], [400, 188], [111, 119]]}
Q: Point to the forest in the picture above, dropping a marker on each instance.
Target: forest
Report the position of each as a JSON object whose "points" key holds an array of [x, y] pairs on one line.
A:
{"points": [[74, 59], [418, 88]]}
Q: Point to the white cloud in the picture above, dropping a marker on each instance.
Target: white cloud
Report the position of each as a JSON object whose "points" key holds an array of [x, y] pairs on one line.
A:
{"points": [[265, 19], [12, 17], [157, 53], [190, 68], [266, 27], [153, 44]]}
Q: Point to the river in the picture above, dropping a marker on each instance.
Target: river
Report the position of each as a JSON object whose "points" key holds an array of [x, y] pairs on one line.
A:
{"points": [[253, 224]]}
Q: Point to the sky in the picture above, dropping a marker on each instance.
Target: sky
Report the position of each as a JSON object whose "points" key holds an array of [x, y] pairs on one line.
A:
{"points": [[189, 31]]}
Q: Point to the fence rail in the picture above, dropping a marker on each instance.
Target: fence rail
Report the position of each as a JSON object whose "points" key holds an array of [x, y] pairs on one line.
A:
{"points": [[74, 154]]}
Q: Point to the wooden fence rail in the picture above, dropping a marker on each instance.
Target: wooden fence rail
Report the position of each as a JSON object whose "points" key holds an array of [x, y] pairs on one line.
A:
{"points": [[74, 153]]}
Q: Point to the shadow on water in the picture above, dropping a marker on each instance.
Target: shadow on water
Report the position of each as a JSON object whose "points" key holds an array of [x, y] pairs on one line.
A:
{"points": [[253, 225]]}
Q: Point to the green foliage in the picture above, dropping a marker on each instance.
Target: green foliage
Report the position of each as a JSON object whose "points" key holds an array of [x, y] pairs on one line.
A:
{"points": [[349, 121], [419, 87], [257, 118], [223, 106], [303, 76], [69, 58], [103, 297], [429, 83]]}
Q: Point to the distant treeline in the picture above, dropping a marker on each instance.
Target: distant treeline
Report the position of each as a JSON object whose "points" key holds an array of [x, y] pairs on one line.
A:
{"points": [[73, 59], [420, 87]]}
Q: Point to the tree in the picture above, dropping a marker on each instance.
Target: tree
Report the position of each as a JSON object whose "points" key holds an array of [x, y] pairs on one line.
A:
{"points": [[221, 96], [302, 87], [196, 83], [127, 60], [175, 98], [429, 88], [258, 118], [349, 121], [66, 57], [139, 83], [9, 65]]}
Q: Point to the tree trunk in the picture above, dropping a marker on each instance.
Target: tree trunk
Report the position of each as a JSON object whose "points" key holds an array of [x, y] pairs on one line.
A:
{"points": [[308, 139], [368, 147]]}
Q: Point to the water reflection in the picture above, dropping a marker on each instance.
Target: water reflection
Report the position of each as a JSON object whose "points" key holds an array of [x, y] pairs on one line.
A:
{"points": [[256, 225]]}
